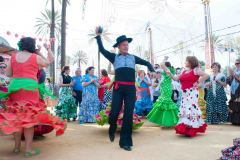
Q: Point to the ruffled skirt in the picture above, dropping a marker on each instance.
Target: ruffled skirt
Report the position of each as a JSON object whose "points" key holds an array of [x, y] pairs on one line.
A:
{"points": [[66, 107], [190, 117], [164, 112], [25, 110]]}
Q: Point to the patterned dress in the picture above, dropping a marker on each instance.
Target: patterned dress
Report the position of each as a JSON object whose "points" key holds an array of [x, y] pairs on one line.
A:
{"points": [[104, 94], [5, 81], [165, 111], [66, 107], [217, 109], [190, 116], [143, 105], [90, 105]]}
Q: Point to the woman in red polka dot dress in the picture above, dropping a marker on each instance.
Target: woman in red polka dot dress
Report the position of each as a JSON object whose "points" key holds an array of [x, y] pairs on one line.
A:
{"points": [[190, 121]]}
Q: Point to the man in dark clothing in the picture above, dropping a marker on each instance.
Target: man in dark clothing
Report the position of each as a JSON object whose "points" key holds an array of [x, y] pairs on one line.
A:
{"points": [[124, 87]]}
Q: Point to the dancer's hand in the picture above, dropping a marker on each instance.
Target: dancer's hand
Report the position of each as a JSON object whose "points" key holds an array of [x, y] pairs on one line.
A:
{"points": [[168, 72], [98, 30], [39, 47], [197, 85], [46, 46]]}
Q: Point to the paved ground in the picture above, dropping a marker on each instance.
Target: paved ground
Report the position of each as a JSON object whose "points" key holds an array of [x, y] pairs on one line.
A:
{"points": [[90, 142]]}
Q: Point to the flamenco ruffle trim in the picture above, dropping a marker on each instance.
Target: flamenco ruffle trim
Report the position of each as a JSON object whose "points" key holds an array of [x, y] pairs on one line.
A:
{"points": [[189, 131], [164, 114], [26, 115]]}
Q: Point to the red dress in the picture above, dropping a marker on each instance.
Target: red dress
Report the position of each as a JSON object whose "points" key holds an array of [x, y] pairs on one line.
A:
{"points": [[104, 80], [190, 122], [187, 79], [24, 107]]}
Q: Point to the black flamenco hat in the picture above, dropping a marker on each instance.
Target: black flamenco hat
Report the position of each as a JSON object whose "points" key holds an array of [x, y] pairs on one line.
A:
{"points": [[121, 39]]}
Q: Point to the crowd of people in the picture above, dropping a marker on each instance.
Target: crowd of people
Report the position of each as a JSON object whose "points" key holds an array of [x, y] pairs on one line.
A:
{"points": [[166, 96]]}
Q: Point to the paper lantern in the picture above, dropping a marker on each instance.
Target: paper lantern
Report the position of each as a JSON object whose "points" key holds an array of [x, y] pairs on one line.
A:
{"points": [[8, 33], [40, 39], [16, 35]]}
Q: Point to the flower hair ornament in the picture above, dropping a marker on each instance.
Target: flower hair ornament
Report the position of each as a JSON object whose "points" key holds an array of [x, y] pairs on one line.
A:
{"points": [[19, 45]]}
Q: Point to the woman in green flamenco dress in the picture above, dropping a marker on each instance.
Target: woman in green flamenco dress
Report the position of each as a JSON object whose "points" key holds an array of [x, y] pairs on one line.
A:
{"points": [[66, 107], [165, 111]]}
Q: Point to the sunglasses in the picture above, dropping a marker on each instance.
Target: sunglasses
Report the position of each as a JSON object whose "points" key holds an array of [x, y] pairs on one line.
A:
{"points": [[3, 66], [237, 63]]}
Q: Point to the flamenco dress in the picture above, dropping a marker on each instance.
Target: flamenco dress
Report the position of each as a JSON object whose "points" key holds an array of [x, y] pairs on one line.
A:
{"points": [[90, 105], [66, 107], [104, 94], [143, 104], [217, 110], [165, 111], [24, 109], [40, 130], [190, 116]]}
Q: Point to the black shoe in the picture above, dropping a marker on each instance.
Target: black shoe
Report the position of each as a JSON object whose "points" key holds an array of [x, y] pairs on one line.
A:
{"points": [[126, 148], [111, 132], [111, 137]]}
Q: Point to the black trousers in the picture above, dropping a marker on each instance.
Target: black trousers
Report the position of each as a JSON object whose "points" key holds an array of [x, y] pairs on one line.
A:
{"points": [[126, 94], [78, 96]]}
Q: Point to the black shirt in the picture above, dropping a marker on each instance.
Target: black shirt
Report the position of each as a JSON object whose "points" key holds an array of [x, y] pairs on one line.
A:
{"points": [[66, 79]]}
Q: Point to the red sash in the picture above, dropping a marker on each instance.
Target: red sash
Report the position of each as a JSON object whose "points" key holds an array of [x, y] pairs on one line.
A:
{"points": [[117, 83]]}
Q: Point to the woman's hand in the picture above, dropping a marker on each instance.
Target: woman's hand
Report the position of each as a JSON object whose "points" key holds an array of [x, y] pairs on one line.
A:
{"points": [[74, 93], [230, 71], [221, 83], [46, 46], [208, 84], [197, 85]]}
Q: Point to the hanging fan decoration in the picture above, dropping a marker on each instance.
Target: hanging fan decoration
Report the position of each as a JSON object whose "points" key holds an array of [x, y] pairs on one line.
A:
{"points": [[84, 8]]}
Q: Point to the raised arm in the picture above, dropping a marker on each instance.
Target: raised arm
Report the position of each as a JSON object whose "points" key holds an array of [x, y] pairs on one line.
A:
{"points": [[41, 60], [110, 56], [145, 63], [203, 76]]}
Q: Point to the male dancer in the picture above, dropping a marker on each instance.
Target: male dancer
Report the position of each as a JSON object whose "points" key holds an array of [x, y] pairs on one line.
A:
{"points": [[124, 87]]}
